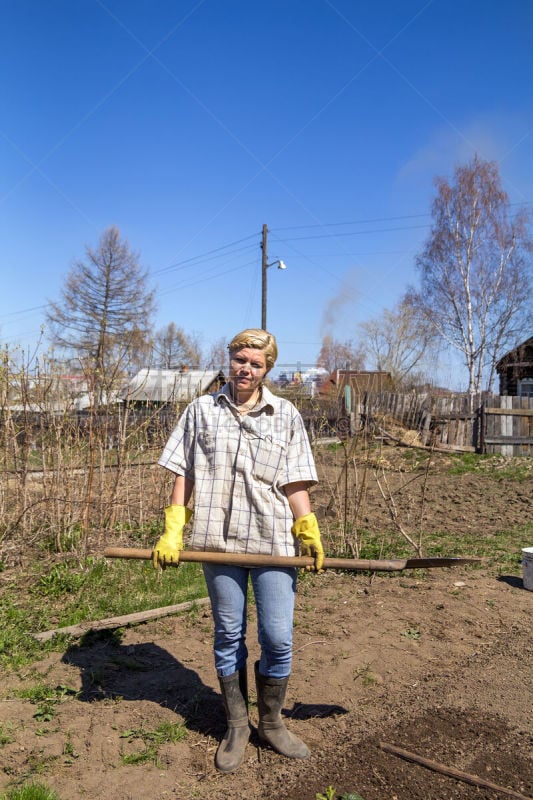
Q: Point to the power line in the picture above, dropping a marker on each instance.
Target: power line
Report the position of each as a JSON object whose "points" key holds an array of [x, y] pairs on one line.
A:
{"points": [[204, 280], [350, 222], [351, 233], [24, 311], [371, 220], [230, 253], [207, 256]]}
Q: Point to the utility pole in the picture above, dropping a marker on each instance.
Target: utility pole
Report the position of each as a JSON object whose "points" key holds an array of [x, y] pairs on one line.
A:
{"points": [[264, 267]]}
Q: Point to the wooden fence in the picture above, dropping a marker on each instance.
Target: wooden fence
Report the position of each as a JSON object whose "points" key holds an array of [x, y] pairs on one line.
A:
{"points": [[507, 426], [497, 424]]}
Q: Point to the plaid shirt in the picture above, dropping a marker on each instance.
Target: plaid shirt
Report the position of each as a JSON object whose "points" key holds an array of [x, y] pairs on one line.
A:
{"points": [[239, 465]]}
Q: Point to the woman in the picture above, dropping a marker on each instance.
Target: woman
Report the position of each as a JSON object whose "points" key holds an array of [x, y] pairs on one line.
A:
{"points": [[247, 456]]}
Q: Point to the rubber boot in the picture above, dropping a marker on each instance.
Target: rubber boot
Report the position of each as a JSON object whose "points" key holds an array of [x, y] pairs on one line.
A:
{"points": [[231, 749], [270, 698]]}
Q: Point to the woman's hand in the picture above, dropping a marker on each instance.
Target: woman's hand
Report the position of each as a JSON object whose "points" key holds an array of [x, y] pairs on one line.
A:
{"points": [[307, 532], [168, 546]]}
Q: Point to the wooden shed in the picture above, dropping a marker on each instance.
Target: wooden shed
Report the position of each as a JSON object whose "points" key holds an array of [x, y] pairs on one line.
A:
{"points": [[359, 380], [515, 371]]}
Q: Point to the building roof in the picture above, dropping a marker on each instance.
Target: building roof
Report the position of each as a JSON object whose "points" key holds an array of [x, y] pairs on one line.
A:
{"points": [[518, 356], [169, 385]]}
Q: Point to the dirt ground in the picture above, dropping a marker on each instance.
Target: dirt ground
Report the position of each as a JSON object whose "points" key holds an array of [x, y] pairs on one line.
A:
{"points": [[438, 663]]}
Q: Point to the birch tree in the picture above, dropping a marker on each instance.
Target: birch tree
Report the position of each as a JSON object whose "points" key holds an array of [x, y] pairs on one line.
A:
{"points": [[475, 270], [105, 312]]}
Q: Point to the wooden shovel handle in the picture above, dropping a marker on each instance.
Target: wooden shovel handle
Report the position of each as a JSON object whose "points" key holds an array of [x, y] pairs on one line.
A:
{"points": [[249, 560]]}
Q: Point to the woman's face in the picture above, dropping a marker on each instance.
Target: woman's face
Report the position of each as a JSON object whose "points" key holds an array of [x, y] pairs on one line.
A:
{"points": [[247, 368]]}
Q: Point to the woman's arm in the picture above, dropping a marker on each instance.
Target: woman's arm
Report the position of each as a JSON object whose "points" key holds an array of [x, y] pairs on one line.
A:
{"points": [[298, 498], [182, 491]]}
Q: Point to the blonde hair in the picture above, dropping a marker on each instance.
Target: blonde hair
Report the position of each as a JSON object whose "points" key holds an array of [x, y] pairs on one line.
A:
{"points": [[259, 340]]}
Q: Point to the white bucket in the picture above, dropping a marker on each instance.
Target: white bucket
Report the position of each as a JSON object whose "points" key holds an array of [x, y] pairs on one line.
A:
{"points": [[527, 563]]}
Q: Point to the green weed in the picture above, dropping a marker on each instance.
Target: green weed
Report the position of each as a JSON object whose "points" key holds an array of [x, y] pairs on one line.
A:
{"points": [[31, 791], [6, 734], [412, 633], [367, 676], [329, 794], [68, 750], [166, 733], [59, 581], [45, 698], [42, 692], [464, 463], [67, 540]]}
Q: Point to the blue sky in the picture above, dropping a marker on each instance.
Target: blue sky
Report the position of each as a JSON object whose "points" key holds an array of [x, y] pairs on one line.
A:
{"points": [[191, 123]]}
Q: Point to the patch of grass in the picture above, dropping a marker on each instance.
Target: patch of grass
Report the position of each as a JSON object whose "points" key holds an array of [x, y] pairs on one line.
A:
{"points": [[493, 466], [500, 551], [415, 459], [464, 463], [45, 698], [516, 470], [31, 791], [42, 692], [166, 733], [59, 581], [69, 540], [76, 591]]}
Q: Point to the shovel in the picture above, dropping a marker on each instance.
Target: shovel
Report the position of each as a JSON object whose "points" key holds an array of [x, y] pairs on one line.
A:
{"points": [[249, 560]]}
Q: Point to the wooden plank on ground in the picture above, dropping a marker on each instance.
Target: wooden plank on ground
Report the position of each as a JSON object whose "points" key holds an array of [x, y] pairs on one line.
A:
{"points": [[121, 622]]}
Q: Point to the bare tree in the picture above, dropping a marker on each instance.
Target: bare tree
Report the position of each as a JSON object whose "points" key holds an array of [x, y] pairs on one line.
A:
{"points": [[398, 340], [173, 348], [340, 355], [475, 270], [105, 311]]}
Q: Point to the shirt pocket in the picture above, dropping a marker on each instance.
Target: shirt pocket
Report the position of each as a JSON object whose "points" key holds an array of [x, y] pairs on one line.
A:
{"points": [[268, 458], [207, 446]]}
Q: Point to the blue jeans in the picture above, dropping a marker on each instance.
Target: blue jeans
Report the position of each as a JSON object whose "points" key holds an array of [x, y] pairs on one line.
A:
{"points": [[274, 589]]}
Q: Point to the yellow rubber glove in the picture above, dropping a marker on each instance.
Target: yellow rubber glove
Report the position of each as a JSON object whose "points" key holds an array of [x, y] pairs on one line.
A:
{"points": [[306, 530], [168, 546]]}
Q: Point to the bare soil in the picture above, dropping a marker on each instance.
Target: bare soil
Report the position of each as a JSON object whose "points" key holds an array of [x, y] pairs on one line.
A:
{"points": [[438, 663]]}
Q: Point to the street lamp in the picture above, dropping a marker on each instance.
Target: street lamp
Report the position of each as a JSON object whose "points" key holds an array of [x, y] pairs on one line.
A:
{"points": [[264, 266]]}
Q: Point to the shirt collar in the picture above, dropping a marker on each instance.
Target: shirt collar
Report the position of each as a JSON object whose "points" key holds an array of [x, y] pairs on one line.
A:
{"points": [[268, 401]]}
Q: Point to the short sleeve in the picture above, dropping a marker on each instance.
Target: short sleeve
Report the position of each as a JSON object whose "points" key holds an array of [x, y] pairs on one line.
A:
{"points": [[178, 453], [299, 461]]}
